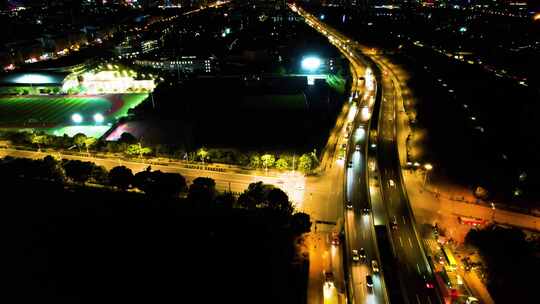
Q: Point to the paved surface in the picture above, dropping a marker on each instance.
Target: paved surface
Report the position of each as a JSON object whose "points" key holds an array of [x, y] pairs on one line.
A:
{"points": [[426, 204], [358, 227], [414, 267]]}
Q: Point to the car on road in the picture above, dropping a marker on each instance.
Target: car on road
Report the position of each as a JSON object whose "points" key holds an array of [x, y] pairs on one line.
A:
{"points": [[369, 281], [355, 256], [429, 284], [350, 164], [365, 211], [362, 253], [335, 238], [394, 223], [328, 278], [391, 183], [349, 205], [375, 266], [357, 148]]}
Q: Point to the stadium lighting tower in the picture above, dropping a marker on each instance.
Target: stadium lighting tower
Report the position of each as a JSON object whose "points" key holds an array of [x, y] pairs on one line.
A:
{"points": [[98, 117], [77, 118], [311, 63]]}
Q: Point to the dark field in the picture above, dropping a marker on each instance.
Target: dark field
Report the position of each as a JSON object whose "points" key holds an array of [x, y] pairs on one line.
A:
{"points": [[285, 115], [509, 143]]}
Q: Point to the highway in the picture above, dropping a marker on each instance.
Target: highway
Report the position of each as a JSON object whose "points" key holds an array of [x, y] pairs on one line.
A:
{"points": [[358, 225], [414, 269]]}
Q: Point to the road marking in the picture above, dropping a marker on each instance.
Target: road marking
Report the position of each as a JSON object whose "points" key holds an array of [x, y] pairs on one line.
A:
{"points": [[401, 241], [404, 222], [410, 242], [418, 266], [418, 299], [429, 300]]}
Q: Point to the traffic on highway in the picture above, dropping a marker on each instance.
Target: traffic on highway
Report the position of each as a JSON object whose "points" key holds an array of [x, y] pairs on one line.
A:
{"points": [[391, 211]]}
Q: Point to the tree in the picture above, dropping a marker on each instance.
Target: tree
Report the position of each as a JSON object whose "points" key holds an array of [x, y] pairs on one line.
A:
{"points": [[90, 141], [77, 170], [254, 161], [300, 223], [202, 190], [20, 138], [279, 201], [52, 169], [121, 177], [202, 153], [282, 164], [305, 163], [100, 175], [254, 195], [170, 184], [268, 160], [159, 184], [79, 140], [127, 138], [40, 139], [137, 150], [143, 181], [226, 200]]}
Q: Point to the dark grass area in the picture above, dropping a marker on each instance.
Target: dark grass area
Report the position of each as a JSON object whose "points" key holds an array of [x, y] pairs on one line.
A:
{"points": [[89, 246], [493, 158], [225, 112]]}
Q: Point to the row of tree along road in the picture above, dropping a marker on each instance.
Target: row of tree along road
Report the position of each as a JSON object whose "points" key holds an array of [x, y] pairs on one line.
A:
{"points": [[129, 146]]}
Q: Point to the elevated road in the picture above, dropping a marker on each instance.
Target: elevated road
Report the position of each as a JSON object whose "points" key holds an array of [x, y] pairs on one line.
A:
{"points": [[358, 218]]}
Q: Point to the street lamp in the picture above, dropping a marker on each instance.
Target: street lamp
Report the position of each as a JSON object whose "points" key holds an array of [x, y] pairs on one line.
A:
{"points": [[428, 168], [493, 214], [311, 63], [77, 118], [98, 118]]}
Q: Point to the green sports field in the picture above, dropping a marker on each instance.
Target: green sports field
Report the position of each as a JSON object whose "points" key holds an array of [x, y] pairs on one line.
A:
{"points": [[53, 114]]}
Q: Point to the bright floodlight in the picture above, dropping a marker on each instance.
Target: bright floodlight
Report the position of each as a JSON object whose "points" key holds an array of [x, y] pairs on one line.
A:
{"points": [[311, 63], [77, 118], [98, 118], [33, 79]]}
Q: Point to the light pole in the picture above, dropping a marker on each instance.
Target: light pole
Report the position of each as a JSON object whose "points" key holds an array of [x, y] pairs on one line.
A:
{"points": [[493, 214], [428, 168]]}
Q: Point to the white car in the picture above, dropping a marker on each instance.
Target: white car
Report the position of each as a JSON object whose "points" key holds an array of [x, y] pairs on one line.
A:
{"points": [[391, 183]]}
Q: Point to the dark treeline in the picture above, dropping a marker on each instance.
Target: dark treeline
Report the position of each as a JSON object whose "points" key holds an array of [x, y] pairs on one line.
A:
{"points": [[70, 243], [512, 262]]}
